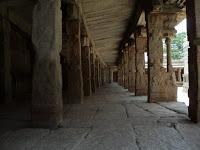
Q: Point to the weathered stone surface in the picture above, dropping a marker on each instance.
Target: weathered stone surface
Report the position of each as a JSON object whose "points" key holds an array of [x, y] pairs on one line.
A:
{"points": [[86, 67], [47, 81], [162, 84], [159, 137], [111, 119], [190, 133], [93, 76], [110, 139], [126, 70], [62, 139], [73, 31], [141, 77], [132, 69], [110, 75], [193, 22], [97, 71], [22, 139]]}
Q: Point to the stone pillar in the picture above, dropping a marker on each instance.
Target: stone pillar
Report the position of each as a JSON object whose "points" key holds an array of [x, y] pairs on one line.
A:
{"points": [[120, 74], [5, 62], [86, 67], [110, 75], [93, 76], [169, 59], [126, 70], [131, 66], [102, 75], [193, 28], [162, 84], [97, 71], [75, 79], [141, 77], [123, 82], [47, 108], [100, 83], [179, 75]]}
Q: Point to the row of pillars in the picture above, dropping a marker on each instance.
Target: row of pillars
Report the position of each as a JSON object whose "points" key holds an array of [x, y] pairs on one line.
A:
{"points": [[82, 69], [157, 82], [131, 71]]}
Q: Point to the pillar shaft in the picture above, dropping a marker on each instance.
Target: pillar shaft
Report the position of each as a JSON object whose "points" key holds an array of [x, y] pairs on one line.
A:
{"points": [[86, 67], [169, 59], [141, 77], [47, 81], [97, 72], [193, 29], [126, 69], [179, 75], [131, 66], [93, 76], [100, 83], [162, 84], [75, 79], [110, 75]]}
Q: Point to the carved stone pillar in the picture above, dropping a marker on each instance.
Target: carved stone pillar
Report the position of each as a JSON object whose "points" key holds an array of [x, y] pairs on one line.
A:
{"points": [[100, 83], [132, 69], [141, 77], [120, 74], [47, 82], [86, 67], [193, 17], [126, 70], [162, 84], [102, 75], [97, 71], [179, 75], [5, 62], [169, 59], [123, 81], [110, 75], [75, 79], [93, 76]]}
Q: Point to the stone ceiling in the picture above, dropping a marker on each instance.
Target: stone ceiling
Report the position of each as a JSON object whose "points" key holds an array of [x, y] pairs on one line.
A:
{"points": [[106, 21]]}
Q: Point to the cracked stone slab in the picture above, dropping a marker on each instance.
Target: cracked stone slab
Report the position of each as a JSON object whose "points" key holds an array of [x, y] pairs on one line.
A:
{"points": [[191, 134], [149, 120], [173, 119], [62, 139], [23, 139], [111, 111], [175, 106], [156, 109], [159, 138], [110, 139], [134, 111]]}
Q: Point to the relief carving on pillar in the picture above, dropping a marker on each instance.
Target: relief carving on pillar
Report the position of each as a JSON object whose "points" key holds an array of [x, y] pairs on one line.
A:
{"points": [[162, 83]]}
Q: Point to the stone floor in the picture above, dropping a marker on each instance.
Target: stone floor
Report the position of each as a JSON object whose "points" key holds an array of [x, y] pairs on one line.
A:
{"points": [[111, 119]]}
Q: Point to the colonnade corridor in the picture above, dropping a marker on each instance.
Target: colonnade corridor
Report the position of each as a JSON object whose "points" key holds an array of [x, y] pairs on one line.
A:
{"points": [[110, 119]]}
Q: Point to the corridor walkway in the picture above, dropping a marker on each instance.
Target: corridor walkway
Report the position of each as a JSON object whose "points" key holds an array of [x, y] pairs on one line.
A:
{"points": [[112, 119]]}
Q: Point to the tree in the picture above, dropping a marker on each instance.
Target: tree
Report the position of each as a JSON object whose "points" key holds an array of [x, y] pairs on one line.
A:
{"points": [[177, 45]]}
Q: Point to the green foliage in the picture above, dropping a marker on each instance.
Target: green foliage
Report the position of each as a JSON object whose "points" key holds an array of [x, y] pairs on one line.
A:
{"points": [[177, 45]]}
